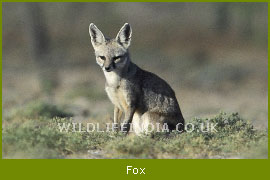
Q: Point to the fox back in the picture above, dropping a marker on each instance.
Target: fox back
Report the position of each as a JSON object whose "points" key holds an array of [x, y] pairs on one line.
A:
{"points": [[140, 98]]}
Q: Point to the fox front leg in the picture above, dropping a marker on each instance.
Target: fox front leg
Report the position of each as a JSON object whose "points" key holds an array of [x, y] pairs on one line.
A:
{"points": [[116, 118], [128, 119]]}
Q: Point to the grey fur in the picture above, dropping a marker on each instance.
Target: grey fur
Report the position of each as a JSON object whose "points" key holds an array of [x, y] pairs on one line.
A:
{"points": [[140, 96]]}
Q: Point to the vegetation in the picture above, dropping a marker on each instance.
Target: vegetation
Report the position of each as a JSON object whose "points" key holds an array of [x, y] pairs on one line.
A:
{"points": [[34, 133], [38, 109], [214, 56]]}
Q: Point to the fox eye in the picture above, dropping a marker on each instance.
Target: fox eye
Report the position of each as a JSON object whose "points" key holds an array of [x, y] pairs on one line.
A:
{"points": [[102, 57], [117, 58]]}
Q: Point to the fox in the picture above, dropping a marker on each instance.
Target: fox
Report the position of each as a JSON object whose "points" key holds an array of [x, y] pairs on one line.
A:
{"points": [[140, 98]]}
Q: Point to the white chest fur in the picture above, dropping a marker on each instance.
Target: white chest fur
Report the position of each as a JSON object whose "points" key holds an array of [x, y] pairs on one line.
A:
{"points": [[112, 79], [115, 92]]}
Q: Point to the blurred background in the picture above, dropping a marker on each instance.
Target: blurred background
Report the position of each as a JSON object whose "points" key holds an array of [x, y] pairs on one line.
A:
{"points": [[214, 55]]}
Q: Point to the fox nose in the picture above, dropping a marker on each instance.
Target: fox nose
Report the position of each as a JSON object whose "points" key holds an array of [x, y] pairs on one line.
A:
{"points": [[108, 68]]}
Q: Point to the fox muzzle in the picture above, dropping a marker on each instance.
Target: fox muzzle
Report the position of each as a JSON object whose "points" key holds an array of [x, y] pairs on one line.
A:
{"points": [[110, 67]]}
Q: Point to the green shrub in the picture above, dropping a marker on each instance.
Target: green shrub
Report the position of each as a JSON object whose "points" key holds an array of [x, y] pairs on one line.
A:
{"points": [[233, 138], [29, 137], [41, 138], [38, 109]]}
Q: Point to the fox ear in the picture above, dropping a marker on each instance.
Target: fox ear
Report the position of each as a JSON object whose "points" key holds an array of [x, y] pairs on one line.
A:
{"points": [[124, 35], [97, 38]]}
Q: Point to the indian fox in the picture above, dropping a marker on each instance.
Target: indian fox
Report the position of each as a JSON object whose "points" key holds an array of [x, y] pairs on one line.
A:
{"points": [[140, 98]]}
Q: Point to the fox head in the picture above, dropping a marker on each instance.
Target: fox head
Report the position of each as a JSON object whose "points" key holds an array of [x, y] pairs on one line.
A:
{"points": [[111, 54]]}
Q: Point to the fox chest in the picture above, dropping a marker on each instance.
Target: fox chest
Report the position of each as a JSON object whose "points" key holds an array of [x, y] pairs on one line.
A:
{"points": [[118, 97]]}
